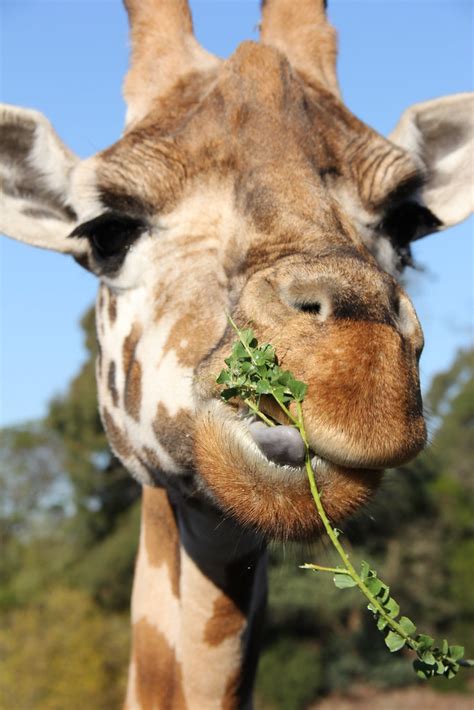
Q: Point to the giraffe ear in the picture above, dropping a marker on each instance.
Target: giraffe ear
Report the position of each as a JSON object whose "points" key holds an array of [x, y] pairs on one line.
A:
{"points": [[35, 178], [441, 134]]}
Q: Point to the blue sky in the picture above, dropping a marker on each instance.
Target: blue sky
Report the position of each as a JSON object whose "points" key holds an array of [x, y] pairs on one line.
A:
{"points": [[67, 58]]}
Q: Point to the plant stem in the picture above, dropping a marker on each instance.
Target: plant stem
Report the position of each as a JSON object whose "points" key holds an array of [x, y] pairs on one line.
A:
{"points": [[349, 568], [320, 568], [257, 411], [285, 409]]}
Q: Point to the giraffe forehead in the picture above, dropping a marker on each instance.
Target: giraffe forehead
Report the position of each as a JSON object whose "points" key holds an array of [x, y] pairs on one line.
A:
{"points": [[251, 150]]}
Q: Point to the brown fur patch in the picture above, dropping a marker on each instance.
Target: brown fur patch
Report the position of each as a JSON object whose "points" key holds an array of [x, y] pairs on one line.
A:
{"points": [[112, 308], [133, 390], [227, 621], [230, 699], [117, 438], [161, 533], [190, 334], [166, 428], [111, 383], [133, 374], [159, 682]]}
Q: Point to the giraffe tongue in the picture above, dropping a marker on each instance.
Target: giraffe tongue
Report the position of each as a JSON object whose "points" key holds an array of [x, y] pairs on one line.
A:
{"points": [[282, 444]]}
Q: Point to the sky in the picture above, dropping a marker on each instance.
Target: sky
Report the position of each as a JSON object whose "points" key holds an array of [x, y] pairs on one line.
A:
{"points": [[67, 58]]}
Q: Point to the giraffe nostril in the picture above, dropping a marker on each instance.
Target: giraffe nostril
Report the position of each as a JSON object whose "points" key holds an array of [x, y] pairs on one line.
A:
{"points": [[310, 307]]}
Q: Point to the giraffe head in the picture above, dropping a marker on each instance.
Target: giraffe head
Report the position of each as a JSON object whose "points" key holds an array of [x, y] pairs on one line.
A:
{"points": [[246, 186]]}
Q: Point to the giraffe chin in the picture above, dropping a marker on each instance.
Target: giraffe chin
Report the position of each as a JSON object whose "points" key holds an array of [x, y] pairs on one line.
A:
{"points": [[272, 498]]}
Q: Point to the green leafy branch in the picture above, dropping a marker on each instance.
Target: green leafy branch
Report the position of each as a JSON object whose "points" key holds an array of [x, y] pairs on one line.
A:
{"points": [[253, 371]]}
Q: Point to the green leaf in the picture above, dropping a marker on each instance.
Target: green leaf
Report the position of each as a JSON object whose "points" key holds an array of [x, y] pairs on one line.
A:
{"points": [[407, 625], [424, 642], [456, 652], [451, 672], [394, 641], [263, 387], [381, 623], [392, 608], [428, 658], [223, 378], [280, 394], [284, 377], [343, 581], [364, 570], [374, 585], [422, 670], [239, 351], [247, 336], [298, 389], [259, 357], [444, 648]]}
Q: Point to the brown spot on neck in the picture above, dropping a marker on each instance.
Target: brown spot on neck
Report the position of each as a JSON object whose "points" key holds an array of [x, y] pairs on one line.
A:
{"points": [[161, 533], [227, 621], [159, 681], [112, 308]]}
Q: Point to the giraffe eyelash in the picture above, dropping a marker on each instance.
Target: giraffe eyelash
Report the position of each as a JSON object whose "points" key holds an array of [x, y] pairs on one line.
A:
{"points": [[110, 235]]}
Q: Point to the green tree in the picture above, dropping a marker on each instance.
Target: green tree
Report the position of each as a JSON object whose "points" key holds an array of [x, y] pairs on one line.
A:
{"points": [[62, 652], [102, 488]]}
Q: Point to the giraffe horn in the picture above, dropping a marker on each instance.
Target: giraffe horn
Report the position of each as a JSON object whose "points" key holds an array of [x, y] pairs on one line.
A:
{"points": [[300, 29], [163, 49]]}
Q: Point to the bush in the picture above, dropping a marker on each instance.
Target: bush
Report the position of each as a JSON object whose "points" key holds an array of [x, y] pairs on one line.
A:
{"points": [[289, 675], [62, 652]]}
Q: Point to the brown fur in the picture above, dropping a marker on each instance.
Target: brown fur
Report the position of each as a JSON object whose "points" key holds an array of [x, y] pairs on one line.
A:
{"points": [[164, 427], [133, 374], [159, 681], [116, 436], [112, 308], [161, 534], [230, 699], [227, 621], [301, 30], [112, 384]]}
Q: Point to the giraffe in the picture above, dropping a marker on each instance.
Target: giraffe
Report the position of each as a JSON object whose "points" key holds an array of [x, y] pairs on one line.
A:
{"points": [[241, 186]]}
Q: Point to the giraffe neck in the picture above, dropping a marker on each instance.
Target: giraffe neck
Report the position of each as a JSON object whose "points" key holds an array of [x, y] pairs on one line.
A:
{"points": [[197, 608]]}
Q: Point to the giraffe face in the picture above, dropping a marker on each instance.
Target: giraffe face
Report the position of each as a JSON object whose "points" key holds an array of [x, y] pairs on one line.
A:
{"points": [[269, 200]]}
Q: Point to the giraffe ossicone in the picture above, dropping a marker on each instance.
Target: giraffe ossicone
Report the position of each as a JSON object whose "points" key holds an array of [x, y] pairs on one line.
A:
{"points": [[242, 186]]}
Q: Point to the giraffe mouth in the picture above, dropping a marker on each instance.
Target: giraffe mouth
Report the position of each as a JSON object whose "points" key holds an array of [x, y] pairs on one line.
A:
{"points": [[281, 444], [257, 475], [279, 448]]}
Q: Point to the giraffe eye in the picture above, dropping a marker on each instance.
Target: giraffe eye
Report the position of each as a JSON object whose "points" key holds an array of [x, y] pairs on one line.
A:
{"points": [[110, 235], [406, 222]]}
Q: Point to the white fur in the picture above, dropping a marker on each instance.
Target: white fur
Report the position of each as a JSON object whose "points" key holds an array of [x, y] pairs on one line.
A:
{"points": [[152, 591], [446, 124], [206, 669]]}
